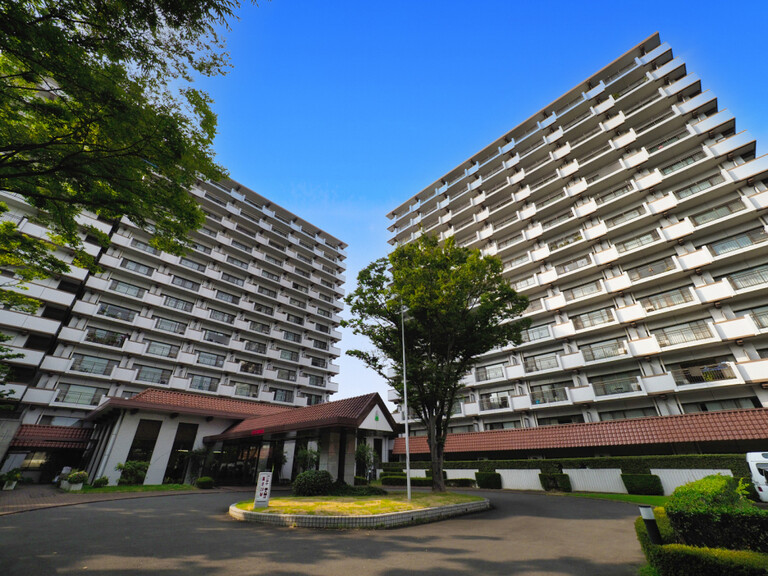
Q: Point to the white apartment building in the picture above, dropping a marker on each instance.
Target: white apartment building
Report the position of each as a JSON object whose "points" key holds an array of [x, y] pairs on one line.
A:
{"points": [[631, 212], [251, 312]]}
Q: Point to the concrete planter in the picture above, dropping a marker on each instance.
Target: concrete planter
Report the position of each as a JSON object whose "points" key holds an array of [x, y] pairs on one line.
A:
{"points": [[9, 485]]}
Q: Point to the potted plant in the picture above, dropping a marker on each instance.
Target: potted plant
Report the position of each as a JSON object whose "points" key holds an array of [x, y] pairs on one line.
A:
{"points": [[10, 479], [76, 479]]}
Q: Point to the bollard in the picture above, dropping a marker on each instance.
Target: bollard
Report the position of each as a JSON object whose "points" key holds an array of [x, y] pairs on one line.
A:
{"points": [[650, 524]]}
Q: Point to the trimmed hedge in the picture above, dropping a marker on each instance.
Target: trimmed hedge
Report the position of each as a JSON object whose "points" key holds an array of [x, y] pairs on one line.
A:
{"points": [[561, 482], [682, 560], [313, 483], [490, 480], [460, 482], [646, 484], [100, 482], [361, 481], [400, 481], [204, 482]]}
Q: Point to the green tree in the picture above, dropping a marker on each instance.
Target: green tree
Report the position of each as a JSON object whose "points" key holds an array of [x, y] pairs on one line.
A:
{"points": [[458, 306]]}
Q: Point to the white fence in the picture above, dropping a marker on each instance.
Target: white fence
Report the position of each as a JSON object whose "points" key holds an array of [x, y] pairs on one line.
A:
{"points": [[672, 478], [520, 479], [596, 480]]}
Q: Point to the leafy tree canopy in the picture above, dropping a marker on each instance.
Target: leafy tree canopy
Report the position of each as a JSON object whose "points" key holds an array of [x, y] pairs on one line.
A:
{"points": [[458, 306]]}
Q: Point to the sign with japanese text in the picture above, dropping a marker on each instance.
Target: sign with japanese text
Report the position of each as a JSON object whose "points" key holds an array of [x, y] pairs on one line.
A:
{"points": [[263, 488]]}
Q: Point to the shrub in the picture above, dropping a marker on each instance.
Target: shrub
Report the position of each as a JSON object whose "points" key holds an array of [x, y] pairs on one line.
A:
{"points": [[561, 482], [313, 483], [306, 459], [648, 484], [361, 481], [460, 482], [204, 482], [77, 477], [13, 475], [400, 481], [488, 480], [100, 482], [342, 489], [132, 472]]}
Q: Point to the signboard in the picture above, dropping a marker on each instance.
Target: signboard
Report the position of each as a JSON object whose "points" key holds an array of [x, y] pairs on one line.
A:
{"points": [[263, 488]]}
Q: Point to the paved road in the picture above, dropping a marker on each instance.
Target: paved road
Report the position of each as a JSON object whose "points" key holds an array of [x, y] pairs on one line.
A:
{"points": [[525, 534]]}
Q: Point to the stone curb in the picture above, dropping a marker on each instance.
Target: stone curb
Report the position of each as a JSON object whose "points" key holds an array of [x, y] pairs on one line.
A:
{"points": [[375, 521]]}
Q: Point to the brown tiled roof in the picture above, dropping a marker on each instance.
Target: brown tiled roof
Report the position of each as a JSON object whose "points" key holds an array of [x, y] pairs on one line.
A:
{"points": [[190, 403], [349, 412], [730, 425], [63, 437]]}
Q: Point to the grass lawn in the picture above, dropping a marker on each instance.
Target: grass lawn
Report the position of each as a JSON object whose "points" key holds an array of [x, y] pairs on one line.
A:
{"points": [[633, 498], [151, 488], [358, 505]]}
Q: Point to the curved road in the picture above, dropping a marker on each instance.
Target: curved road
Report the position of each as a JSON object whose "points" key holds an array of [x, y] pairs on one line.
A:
{"points": [[525, 534]]}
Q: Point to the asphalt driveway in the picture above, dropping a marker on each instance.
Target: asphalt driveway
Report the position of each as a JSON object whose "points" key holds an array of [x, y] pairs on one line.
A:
{"points": [[525, 534]]}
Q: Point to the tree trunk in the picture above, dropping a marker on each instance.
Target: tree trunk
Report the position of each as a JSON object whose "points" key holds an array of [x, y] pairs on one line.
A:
{"points": [[438, 483]]}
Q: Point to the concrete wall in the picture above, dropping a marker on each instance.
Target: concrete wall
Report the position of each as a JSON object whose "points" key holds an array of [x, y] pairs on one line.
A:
{"points": [[597, 480], [672, 478]]}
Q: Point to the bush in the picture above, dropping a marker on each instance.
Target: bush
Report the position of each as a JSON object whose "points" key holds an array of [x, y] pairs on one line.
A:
{"points": [[361, 481], [13, 475], [204, 482], [132, 472], [400, 481], [488, 480], [343, 489], [682, 560], [460, 483], [561, 482], [100, 482], [77, 477], [307, 459], [313, 483], [647, 484]]}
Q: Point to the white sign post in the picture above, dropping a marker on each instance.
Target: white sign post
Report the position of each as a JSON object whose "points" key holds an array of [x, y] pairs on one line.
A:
{"points": [[263, 488]]}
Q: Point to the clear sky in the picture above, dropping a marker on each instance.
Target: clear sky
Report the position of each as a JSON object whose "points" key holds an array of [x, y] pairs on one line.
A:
{"points": [[342, 110]]}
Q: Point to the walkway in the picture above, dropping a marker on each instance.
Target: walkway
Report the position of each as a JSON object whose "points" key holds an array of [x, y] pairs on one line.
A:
{"points": [[526, 535]]}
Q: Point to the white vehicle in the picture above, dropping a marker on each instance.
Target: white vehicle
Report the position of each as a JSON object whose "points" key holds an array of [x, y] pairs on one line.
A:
{"points": [[758, 467]]}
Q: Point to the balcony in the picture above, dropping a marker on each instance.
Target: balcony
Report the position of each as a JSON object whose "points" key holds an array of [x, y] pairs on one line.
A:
{"points": [[737, 328], [756, 277], [548, 396], [540, 363], [715, 291], [703, 374], [695, 259], [677, 230], [659, 383], [495, 402], [572, 360], [620, 385], [641, 347], [604, 351], [754, 370], [630, 313], [683, 334]]}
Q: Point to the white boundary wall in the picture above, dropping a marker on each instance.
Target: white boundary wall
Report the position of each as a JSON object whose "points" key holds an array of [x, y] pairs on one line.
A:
{"points": [[520, 479], [596, 480], [672, 478]]}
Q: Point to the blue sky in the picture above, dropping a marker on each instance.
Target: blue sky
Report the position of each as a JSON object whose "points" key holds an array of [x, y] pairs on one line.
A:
{"points": [[340, 111]]}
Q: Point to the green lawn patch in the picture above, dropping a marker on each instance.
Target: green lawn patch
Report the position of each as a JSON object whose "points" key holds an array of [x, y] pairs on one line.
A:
{"points": [[139, 488], [632, 498], [358, 506]]}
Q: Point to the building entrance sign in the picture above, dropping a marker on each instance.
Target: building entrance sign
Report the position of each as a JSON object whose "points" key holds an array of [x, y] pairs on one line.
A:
{"points": [[263, 489]]}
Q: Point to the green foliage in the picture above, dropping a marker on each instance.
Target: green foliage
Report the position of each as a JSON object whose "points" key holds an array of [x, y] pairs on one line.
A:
{"points": [[488, 480], [132, 472], [341, 488], [460, 482], [682, 560], [560, 482], [649, 484], [390, 466], [100, 482], [77, 477], [307, 459], [313, 483], [401, 481], [361, 481], [364, 457], [714, 492], [13, 475], [458, 305], [204, 482]]}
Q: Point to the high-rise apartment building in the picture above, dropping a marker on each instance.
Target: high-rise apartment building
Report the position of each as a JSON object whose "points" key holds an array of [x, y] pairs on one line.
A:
{"points": [[632, 214], [250, 312]]}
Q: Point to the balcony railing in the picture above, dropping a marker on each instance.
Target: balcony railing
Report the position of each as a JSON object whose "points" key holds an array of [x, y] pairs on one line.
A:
{"points": [[544, 396], [564, 241], [602, 316], [536, 363], [494, 403], [603, 351], [749, 278], [621, 385], [652, 269], [534, 334], [702, 374], [760, 318], [744, 240], [489, 373], [690, 332], [667, 299]]}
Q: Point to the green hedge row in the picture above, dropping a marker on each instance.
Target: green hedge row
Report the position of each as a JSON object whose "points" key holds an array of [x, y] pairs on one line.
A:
{"points": [[646, 484], [561, 482], [682, 560], [490, 480], [400, 481], [460, 483]]}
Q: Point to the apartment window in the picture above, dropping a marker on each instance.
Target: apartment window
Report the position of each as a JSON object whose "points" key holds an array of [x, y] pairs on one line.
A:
{"points": [[204, 383], [241, 246], [76, 394], [322, 328], [494, 401], [285, 374], [291, 336], [117, 312], [268, 310], [699, 186], [313, 399], [137, 267], [750, 277], [170, 325], [260, 327], [93, 364], [201, 248], [295, 319], [282, 395], [325, 313], [153, 375], [298, 303], [633, 243], [540, 362], [237, 262], [506, 425], [270, 275], [289, 355], [682, 163], [143, 246], [106, 337], [267, 292], [564, 241], [651, 269], [619, 383], [210, 359], [717, 405], [324, 297], [227, 297], [318, 362], [185, 283], [623, 190], [300, 287], [208, 232], [667, 299], [303, 258], [682, 333], [555, 420], [570, 265], [277, 246], [489, 372], [192, 264], [320, 344], [583, 290], [301, 272], [739, 241], [627, 414], [162, 349], [272, 260], [535, 333], [603, 350], [594, 318], [251, 367], [127, 289], [217, 337], [178, 304], [315, 380], [232, 279], [222, 316], [718, 212], [625, 216], [253, 346], [247, 390]]}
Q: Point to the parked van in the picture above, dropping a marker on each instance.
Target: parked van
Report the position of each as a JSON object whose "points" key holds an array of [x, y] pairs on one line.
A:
{"points": [[758, 467]]}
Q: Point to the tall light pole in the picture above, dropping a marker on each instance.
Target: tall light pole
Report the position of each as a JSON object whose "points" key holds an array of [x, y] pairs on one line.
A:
{"points": [[405, 408]]}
